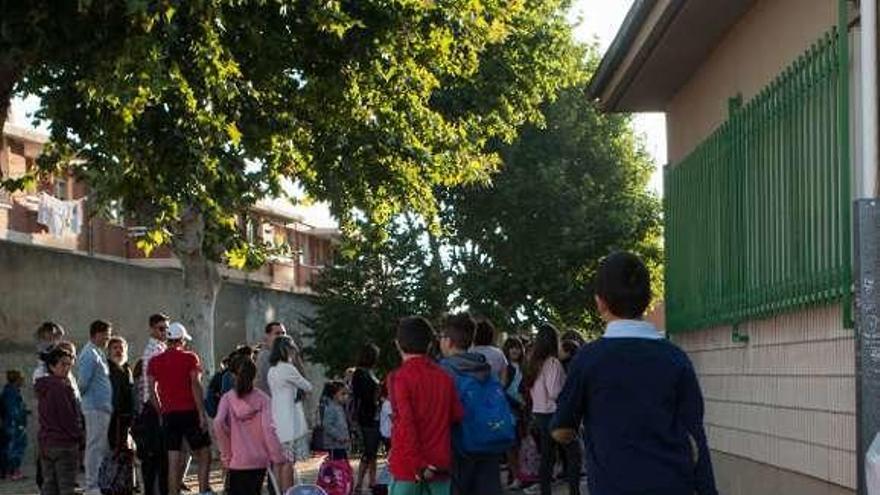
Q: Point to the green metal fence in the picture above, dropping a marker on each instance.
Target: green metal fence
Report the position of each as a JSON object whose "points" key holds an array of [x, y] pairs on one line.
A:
{"points": [[757, 216]]}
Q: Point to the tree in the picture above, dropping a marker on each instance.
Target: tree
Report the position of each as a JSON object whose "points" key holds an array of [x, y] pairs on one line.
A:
{"points": [[380, 276], [190, 112], [525, 248]]}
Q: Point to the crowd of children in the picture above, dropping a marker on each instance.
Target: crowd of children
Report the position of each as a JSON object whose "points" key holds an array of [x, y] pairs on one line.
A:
{"points": [[458, 416], [624, 412]]}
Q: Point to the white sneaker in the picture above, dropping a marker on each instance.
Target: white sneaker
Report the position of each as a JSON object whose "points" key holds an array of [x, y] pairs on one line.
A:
{"points": [[533, 489]]}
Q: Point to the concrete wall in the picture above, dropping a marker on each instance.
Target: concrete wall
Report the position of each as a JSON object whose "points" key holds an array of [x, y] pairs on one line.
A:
{"points": [[38, 284], [785, 400], [766, 40]]}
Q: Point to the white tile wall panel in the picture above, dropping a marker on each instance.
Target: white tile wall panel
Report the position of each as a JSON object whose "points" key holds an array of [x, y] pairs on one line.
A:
{"points": [[828, 464], [815, 427], [787, 397], [842, 469], [833, 357]]}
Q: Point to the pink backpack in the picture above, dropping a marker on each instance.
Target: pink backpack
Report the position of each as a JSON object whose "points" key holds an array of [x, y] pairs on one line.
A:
{"points": [[529, 461], [336, 477]]}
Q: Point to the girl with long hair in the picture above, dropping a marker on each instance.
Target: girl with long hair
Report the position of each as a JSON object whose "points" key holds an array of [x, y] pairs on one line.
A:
{"points": [[245, 433], [287, 384], [545, 378], [365, 393]]}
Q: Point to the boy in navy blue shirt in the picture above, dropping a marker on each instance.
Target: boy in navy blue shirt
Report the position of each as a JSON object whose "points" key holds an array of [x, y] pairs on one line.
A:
{"points": [[638, 397]]}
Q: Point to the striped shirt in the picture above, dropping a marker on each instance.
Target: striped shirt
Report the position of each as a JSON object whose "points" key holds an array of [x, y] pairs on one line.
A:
{"points": [[153, 348]]}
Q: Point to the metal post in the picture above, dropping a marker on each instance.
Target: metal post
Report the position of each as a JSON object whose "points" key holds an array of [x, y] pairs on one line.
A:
{"points": [[867, 294]]}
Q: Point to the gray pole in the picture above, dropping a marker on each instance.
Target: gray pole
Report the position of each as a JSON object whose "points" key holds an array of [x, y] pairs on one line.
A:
{"points": [[867, 318]]}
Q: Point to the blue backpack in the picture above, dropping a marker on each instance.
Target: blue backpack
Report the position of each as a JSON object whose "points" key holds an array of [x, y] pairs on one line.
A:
{"points": [[489, 426]]}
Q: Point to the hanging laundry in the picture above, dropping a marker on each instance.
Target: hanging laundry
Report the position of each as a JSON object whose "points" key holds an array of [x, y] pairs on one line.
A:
{"points": [[60, 217]]}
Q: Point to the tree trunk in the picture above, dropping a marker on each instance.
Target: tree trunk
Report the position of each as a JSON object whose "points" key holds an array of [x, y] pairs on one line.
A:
{"points": [[201, 285], [439, 300], [8, 77]]}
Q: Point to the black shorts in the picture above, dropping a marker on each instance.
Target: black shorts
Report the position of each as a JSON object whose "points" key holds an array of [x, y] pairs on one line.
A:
{"points": [[180, 425], [370, 436]]}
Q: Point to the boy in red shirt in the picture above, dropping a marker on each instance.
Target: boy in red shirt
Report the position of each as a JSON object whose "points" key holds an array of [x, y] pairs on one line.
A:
{"points": [[178, 395], [425, 406]]}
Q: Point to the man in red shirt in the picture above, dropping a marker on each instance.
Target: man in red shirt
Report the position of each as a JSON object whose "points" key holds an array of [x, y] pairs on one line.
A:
{"points": [[424, 406], [178, 395]]}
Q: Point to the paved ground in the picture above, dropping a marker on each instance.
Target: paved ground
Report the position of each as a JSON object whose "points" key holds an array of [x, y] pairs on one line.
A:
{"points": [[307, 471]]}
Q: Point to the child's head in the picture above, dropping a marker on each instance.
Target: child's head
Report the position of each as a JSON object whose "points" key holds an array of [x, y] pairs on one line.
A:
{"points": [[572, 334], [234, 359], [546, 345], [623, 287], [49, 333], [368, 357], [284, 350], [567, 349], [69, 347], [514, 350], [485, 334], [58, 361], [14, 378], [458, 333], [245, 373], [336, 390], [414, 335]]}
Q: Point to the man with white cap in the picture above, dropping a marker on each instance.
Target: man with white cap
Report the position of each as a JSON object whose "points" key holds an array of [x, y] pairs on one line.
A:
{"points": [[178, 396]]}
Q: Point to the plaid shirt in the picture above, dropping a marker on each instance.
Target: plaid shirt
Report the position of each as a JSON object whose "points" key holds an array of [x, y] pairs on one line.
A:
{"points": [[154, 348]]}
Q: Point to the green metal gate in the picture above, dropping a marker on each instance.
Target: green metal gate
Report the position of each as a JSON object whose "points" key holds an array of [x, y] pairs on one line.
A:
{"points": [[757, 216]]}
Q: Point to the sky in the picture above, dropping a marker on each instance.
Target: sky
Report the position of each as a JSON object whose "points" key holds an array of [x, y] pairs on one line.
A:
{"points": [[595, 21], [598, 21]]}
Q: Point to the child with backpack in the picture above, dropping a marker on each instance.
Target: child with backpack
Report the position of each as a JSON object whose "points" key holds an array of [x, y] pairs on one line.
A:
{"points": [[488, 429], [633, 387], [425, 407]]}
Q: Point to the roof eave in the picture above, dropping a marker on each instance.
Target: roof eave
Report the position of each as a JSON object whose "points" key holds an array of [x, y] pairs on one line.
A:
{"points": [[621, 45]]}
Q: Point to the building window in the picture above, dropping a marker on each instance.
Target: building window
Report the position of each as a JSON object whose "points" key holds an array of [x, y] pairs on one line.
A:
{"points": [[115, 214], [59, 189], [306, 255], [249, 231], [16, 147]]}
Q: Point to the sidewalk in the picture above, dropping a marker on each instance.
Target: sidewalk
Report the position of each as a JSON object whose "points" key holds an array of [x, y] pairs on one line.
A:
{"points": [[307, 470]]}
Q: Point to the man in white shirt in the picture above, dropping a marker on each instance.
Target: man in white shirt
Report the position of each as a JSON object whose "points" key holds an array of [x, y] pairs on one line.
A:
{"points": [[155, 346], [154, 465]]}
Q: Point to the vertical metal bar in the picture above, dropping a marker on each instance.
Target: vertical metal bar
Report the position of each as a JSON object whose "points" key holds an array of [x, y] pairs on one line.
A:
{"points": [[843, 122], [815, 92]]}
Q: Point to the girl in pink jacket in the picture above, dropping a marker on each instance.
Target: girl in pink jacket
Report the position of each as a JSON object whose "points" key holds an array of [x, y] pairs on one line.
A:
{"points": [[246, 434]]}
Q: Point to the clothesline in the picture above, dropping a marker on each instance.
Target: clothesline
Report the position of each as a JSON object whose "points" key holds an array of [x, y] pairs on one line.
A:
{"points": [[60, 217]]}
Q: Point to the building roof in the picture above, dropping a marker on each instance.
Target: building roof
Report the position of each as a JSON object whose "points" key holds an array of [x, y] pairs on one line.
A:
{"points": [[25, 133], [659, 46], [279, 208]]}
